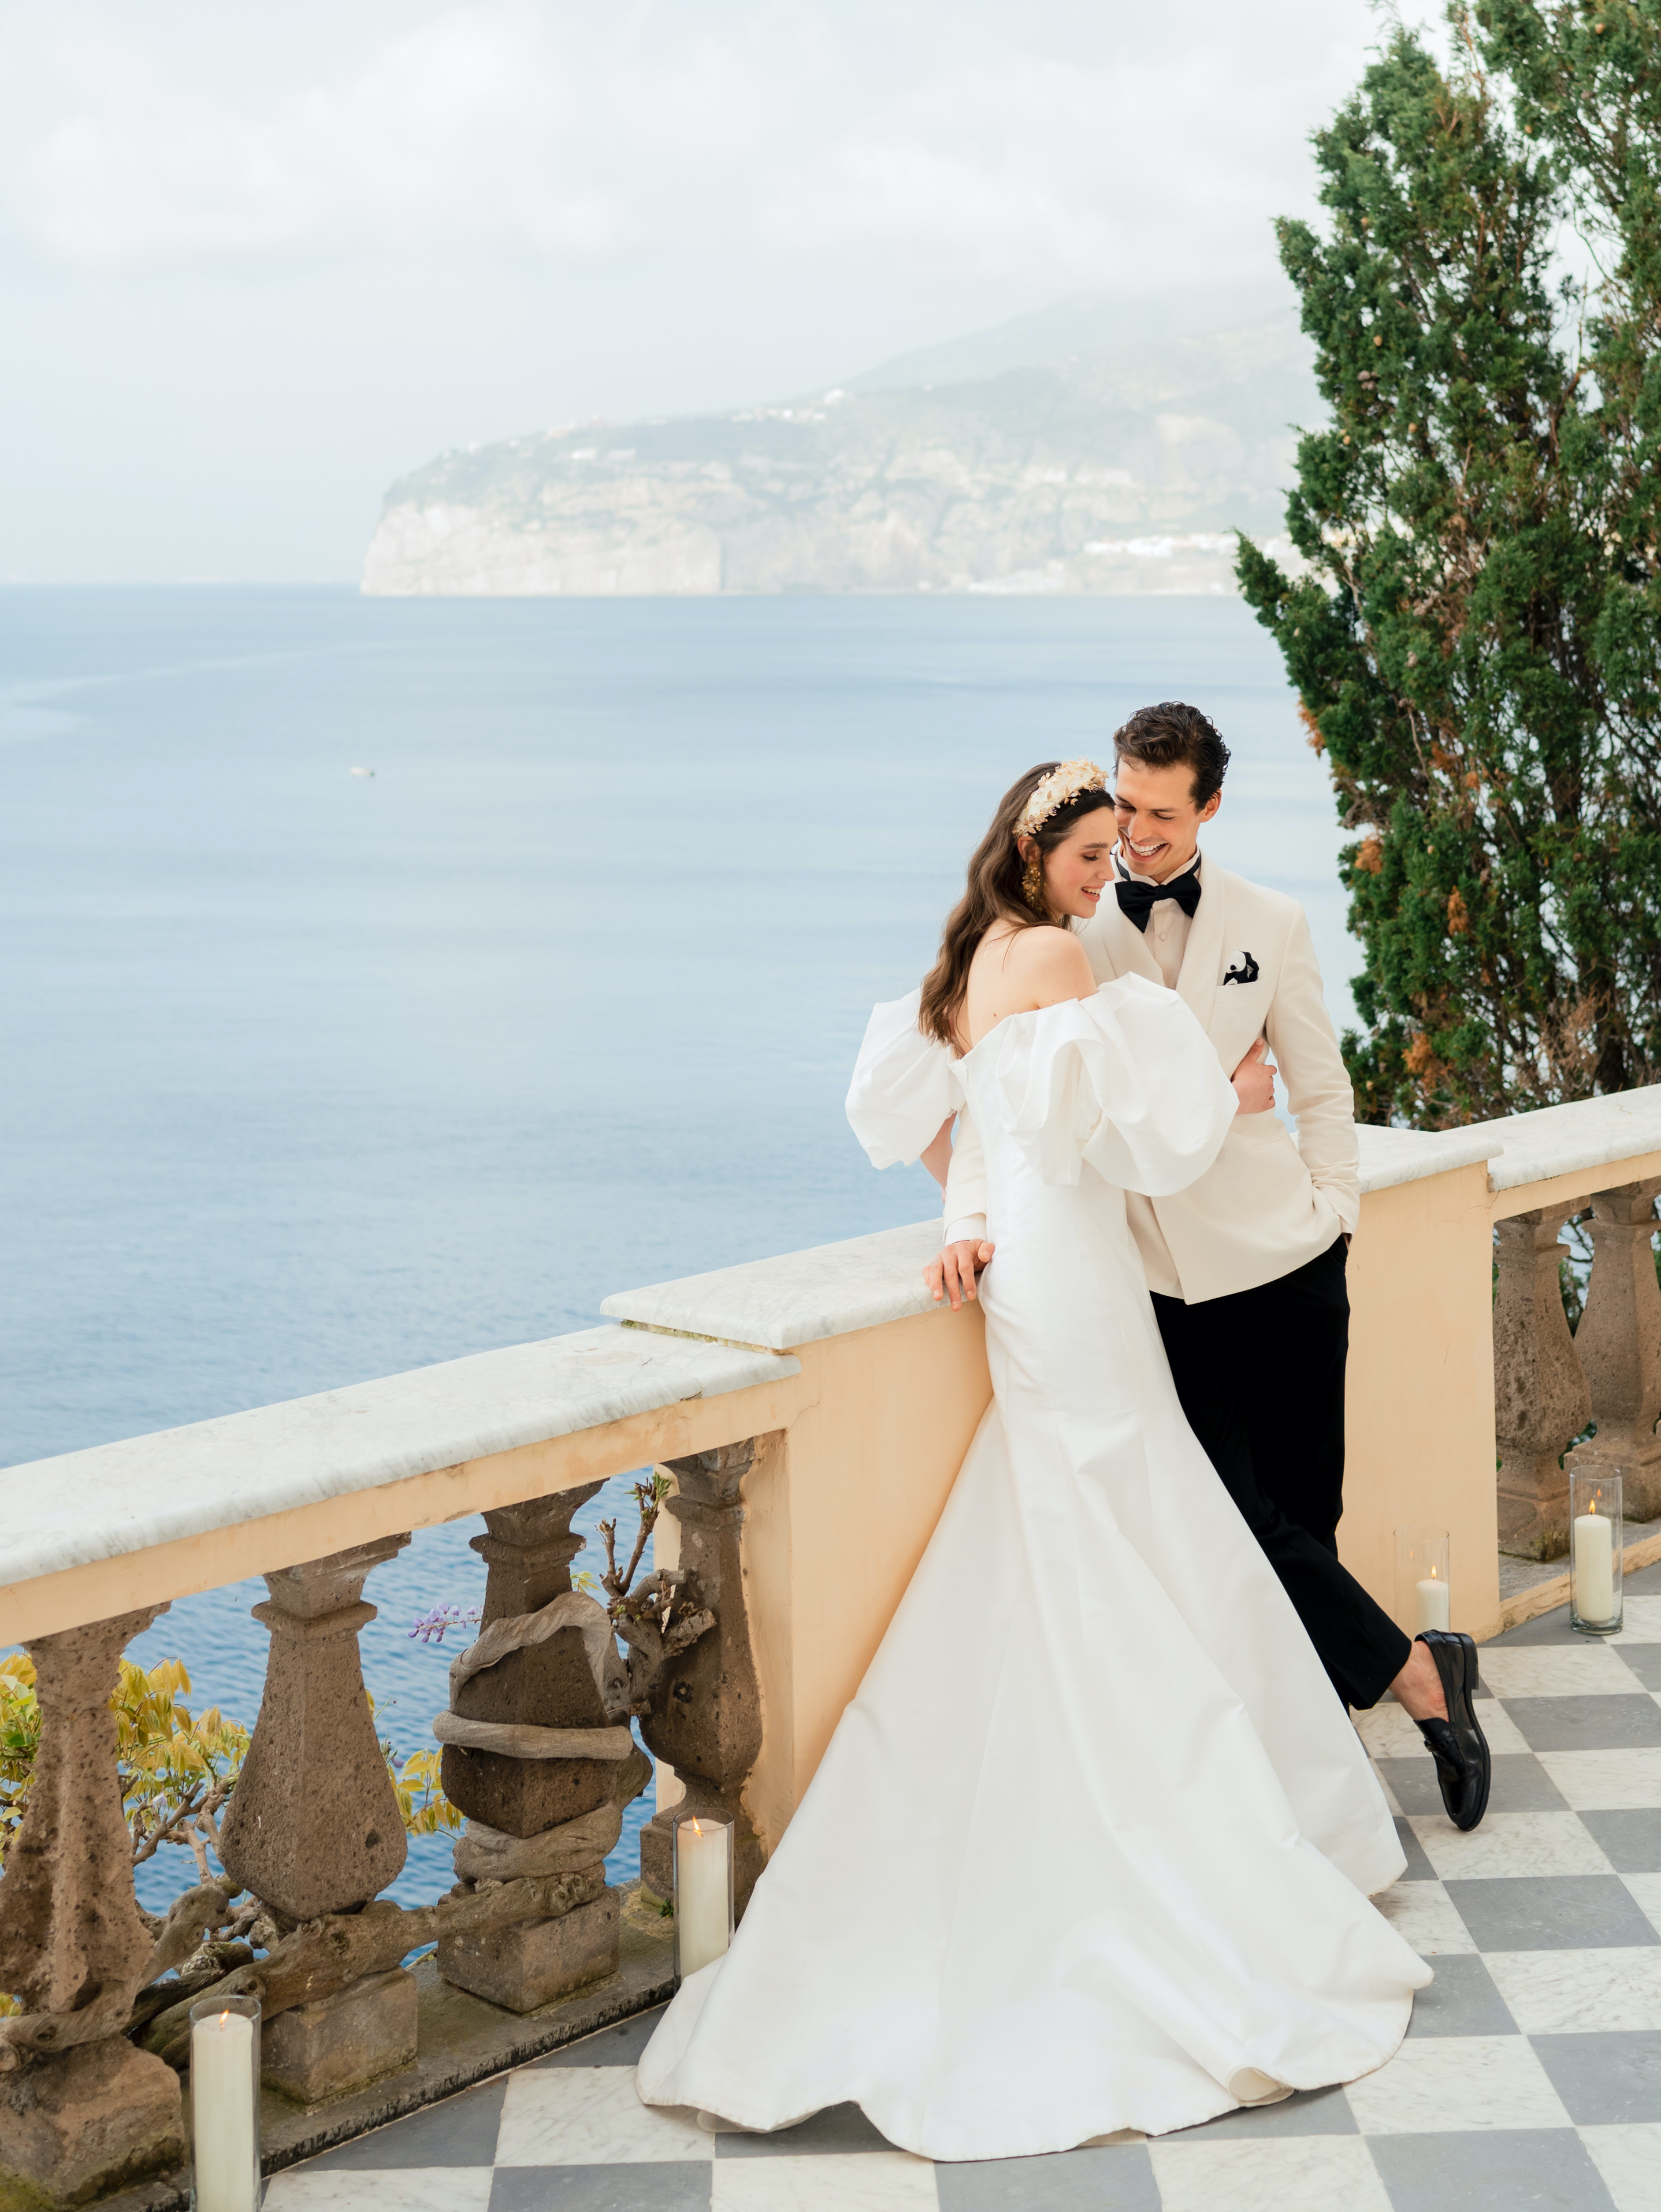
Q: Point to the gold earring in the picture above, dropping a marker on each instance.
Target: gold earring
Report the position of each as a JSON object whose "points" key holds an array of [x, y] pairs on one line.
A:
{"points": [[1033, 880]]}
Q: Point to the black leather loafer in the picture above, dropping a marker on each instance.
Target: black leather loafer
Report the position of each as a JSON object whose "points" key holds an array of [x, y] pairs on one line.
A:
{"points": [[1458, 1745]]}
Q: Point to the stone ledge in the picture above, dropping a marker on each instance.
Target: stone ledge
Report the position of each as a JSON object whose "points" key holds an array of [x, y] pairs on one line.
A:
{"points": [[800, 1298], [118, 1498], [463, 2041], [1390, 1157], [1520, 1148], [1591, 1133]]}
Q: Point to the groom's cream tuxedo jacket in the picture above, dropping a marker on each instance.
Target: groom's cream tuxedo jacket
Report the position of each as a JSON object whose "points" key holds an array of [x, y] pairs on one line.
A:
{"points": [[1265, 1205]]}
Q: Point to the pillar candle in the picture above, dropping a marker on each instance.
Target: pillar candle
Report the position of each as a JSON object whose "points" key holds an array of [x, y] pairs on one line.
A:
{"points": [[224, 2119], [703, 1892], [1594, 1566], [1431, 1605]]}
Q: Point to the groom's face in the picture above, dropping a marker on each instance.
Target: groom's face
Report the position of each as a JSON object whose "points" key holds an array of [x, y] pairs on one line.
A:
{"points": [[1159, 821]]}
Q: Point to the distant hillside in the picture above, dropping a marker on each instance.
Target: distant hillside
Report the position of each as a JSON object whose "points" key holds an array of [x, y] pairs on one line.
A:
{"points": [[1119, 467], [1101, 323]]}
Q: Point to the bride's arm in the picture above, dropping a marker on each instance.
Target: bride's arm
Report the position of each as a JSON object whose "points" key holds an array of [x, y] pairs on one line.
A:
{"points": [[965, 1250], [936, 1155]]}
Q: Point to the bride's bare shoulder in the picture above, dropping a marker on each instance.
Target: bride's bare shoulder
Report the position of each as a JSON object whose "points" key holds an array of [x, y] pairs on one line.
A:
{"points": [[1050, 963], [1013, 943]]}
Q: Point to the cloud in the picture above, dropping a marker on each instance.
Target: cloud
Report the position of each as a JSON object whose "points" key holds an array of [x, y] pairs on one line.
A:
{"points": [[1164, 152], [1045, 148], [1029, 162], [458, 130]]}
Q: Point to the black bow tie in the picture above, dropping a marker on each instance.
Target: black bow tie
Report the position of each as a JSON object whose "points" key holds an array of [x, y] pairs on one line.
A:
{"points": [[1136, 899]]}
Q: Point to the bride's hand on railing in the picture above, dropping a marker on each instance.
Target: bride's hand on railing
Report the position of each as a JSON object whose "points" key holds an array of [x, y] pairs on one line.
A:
{"points": [[1253, 1080], [951, 1274]]}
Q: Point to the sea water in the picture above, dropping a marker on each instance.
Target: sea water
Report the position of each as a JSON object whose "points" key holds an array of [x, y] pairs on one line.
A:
{"points": [[313, 1074]]}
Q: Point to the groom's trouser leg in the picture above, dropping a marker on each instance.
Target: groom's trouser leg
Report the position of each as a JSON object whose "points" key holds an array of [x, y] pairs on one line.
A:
{"points": [[1261, 1378], [1295, 1333]]}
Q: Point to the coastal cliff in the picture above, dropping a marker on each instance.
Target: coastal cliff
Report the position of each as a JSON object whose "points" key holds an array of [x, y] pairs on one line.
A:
{"points": [[1120, 469]]}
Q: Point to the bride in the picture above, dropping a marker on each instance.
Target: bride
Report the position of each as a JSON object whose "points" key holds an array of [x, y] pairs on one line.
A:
{"points": [[1092, 1848]]}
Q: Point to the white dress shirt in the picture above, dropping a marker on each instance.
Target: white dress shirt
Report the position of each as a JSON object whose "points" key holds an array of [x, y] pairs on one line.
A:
{"points": [[1167, 925], [1167, 940]]}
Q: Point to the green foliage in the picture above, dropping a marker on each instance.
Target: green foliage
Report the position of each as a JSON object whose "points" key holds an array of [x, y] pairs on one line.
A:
{"points": [[1473, 640], [421, 1804], [1587, 85], [20, 1736], [177, 1770]]}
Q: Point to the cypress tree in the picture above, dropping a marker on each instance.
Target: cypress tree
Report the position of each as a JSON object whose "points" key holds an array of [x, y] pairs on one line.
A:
{"points": [[1587, 84], [1473, 638]]}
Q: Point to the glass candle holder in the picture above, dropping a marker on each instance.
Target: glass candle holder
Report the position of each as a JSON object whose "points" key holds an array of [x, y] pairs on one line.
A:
{"points": [[1595, 1535], [225, 2104], [703, 1891], [1422, 1595]]}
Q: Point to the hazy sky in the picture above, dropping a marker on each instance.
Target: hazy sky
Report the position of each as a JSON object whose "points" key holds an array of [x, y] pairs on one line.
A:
{"points": [[257, 263]]}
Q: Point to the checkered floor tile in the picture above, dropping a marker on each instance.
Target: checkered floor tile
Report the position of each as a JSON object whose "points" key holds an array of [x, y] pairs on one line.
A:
{"points": [[1531, 2076]]}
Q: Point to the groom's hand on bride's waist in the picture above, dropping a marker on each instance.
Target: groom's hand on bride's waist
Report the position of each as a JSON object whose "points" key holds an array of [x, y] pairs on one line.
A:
{"points": [[951, 1273], [1253, 1080]]}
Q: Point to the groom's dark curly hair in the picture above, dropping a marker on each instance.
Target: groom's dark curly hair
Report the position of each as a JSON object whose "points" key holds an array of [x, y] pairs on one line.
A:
{"points": [[1170, 735]]}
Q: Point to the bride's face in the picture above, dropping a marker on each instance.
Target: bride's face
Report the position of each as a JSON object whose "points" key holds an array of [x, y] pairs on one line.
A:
{"points": [[1078, 870]]}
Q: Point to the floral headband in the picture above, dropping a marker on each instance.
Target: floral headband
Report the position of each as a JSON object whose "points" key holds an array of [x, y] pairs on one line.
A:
{"points": [[1061, 784]]}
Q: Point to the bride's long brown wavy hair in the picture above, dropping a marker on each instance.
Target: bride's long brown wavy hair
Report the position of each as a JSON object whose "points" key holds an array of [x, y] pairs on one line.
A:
{"points": [[992, 894]]}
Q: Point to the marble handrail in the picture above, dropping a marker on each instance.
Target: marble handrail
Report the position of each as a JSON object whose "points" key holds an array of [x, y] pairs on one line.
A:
{"points": [[115, 1499], [828, 1290], [1561, 1140], [1521, 1149], [1390, 1157]]}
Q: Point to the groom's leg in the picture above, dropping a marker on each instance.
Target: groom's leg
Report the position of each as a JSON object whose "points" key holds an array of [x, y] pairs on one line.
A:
{"points": [[1231, 1382], [1295, 1331]]}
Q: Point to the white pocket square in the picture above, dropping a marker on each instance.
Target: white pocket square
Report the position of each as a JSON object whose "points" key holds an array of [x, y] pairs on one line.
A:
{"points": [[1241, 968]]}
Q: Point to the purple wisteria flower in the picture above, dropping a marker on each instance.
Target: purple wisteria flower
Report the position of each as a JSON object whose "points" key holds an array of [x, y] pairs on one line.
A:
{"points": [[430, 1627]]}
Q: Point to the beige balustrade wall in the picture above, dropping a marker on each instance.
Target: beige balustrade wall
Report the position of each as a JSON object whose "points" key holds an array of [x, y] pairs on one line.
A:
{"points": [[839, 1511], [1420, 1412]]}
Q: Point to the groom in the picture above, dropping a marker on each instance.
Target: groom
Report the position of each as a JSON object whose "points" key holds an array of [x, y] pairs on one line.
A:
{"points": [[1246, 1266]]}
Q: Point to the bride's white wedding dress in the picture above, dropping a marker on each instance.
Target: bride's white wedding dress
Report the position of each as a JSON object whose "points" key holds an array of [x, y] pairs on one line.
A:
{"points": [[1092, 1847]]}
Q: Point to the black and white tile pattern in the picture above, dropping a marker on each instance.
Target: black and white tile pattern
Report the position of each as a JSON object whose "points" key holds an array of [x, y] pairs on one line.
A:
{"points": [[1531, 2076]]}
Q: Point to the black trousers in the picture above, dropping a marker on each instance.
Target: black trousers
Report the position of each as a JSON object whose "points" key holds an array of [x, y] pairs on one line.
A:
{"points": [[1261, 1378]]}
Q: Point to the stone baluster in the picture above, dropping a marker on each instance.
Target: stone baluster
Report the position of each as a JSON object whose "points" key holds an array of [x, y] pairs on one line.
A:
{"points": [[82, 2111], [533, 1815], [313, 1826], [705, 1720], [1540, 1401], [1619, 1345]]}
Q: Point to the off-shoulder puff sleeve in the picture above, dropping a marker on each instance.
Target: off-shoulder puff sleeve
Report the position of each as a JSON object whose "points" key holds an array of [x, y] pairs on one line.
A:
{"points": [[1126, 1081], [905, 1085]]}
